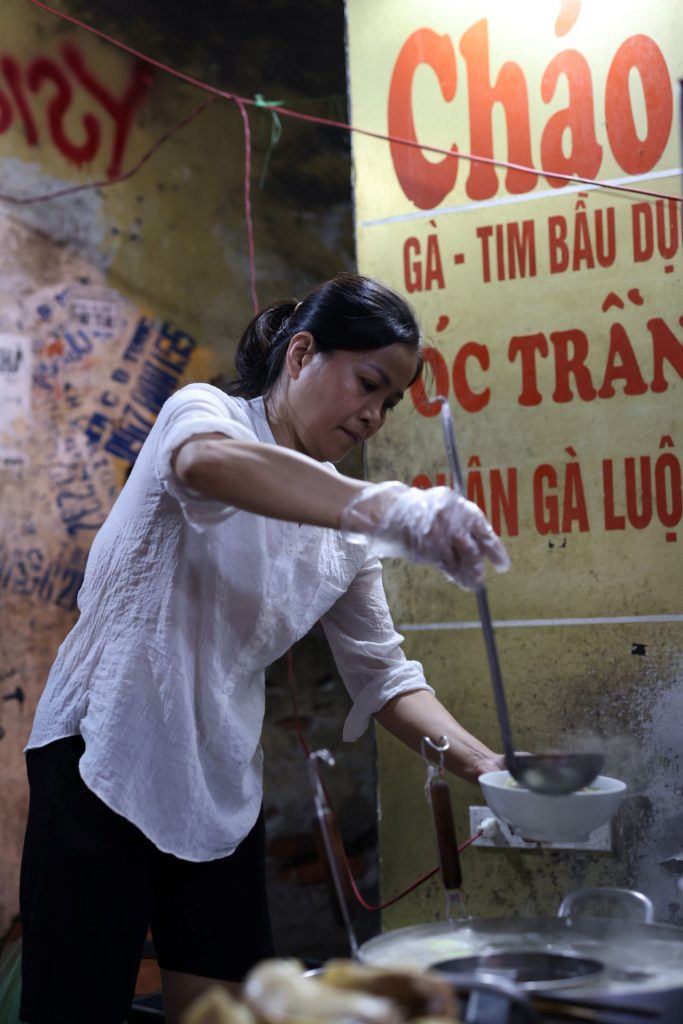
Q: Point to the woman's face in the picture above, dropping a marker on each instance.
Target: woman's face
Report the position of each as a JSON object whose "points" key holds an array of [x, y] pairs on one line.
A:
{"points": [[338, 400]]}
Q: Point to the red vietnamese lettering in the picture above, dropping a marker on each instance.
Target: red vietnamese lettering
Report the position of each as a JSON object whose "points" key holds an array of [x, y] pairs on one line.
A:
{"points": [[622, 364], [433, 267], [571, 351], [412, 268], [527, 347], [640, 517], [500, 252], [510, 91], [605, 237], [546, 506], [587, 243], [635, 155], [424, 482], [424, 182], [504, 501], [669, 495], [521, 249], [574, 509], [665, 347], [514, 247], [475, 489], [643, 232], [647, 490], [612, 520], [577, 120], [664, 225], [583, 252], [436, 362], [483, 234], [668, 247], [557, 244], [470, 400]]}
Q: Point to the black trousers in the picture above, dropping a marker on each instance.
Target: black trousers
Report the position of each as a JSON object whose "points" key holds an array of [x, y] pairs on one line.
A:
{"points": [[91, 886]]}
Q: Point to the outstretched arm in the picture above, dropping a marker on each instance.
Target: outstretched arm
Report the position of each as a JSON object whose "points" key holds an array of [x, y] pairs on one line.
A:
{"points": [[265, 479], [436, 526], [410, 716]]}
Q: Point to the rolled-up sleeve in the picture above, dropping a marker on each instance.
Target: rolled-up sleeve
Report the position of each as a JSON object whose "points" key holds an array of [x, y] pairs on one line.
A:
{"points": [[367, 649], [196, 409]]}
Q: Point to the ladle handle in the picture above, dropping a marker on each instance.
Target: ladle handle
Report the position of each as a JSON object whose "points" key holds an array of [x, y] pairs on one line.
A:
{"points": [[482, 600]]}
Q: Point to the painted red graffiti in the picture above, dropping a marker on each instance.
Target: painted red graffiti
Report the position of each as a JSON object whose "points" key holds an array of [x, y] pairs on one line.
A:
{"points": [[54, 86]]}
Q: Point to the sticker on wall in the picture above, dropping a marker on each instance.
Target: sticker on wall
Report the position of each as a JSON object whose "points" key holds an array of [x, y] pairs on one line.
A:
{"points": [[15, 395], [95, 310]]}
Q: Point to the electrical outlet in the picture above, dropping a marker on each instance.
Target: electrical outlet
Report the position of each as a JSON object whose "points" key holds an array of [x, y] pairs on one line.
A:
{"points": [[501, 837]]}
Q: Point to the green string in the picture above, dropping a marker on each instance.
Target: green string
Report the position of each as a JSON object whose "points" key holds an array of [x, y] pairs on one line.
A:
{"points": [[336, 102], [275, 131]]}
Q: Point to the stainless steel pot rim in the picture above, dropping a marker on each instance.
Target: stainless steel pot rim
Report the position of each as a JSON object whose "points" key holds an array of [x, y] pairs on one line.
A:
{"points": [[638, 957], [532, 971]]}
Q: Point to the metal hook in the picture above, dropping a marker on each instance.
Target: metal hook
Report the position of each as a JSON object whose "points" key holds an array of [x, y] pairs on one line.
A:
{"points": [[434, 769], [440, 748]]}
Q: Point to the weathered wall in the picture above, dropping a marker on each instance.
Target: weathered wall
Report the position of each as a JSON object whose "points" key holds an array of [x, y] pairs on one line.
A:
{"points": [[112, 297], [553, 314]]}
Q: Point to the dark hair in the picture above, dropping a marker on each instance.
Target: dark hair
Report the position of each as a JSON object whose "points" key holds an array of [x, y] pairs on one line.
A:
{"points": [[348, 312]]}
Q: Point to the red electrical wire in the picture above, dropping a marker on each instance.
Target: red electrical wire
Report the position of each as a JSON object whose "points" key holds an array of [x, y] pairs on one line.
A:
{"points": [[328, 122], [247, 203], [395, 899], [243, 101], [356, 892]]}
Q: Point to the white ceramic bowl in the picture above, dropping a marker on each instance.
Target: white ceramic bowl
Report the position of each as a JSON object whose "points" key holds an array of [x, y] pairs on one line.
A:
{"points": [[543, 818]]}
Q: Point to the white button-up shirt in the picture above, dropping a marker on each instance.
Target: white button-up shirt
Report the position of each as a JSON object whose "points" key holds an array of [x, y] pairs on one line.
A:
{"points": [[184, 604]]}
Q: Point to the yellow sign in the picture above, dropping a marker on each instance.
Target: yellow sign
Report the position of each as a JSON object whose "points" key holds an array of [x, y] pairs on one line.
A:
{"points": [[551, 307], [552, 310]]}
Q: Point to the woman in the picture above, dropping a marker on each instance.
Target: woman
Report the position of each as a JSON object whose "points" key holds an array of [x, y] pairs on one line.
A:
{"points": [[233, 535]]}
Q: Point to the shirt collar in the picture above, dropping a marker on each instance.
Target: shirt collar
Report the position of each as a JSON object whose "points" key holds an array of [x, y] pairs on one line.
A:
{"points": [[261, 425]]}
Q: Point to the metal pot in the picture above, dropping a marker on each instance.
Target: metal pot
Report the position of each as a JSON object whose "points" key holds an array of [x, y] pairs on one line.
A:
{"points": [[637, 956]]}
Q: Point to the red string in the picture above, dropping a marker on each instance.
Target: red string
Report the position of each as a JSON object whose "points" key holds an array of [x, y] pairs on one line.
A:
{"points": [[328, 122], [389, 902], [247, 202], [356, 892], [395, 899], [242, 102]]}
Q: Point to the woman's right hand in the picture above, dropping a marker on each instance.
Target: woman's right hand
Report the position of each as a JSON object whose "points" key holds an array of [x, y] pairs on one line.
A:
{"points": [[435, 526]]}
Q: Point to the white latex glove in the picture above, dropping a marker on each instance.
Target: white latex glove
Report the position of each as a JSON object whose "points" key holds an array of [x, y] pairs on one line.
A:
{"points": [[436, 526]]}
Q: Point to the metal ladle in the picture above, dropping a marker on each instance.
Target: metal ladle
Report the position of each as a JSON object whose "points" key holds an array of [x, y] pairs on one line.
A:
{"points": [[552, 773]]}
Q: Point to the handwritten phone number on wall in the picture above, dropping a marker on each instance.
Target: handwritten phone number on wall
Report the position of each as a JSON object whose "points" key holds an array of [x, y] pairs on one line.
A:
{"points": [[26, 572]]}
